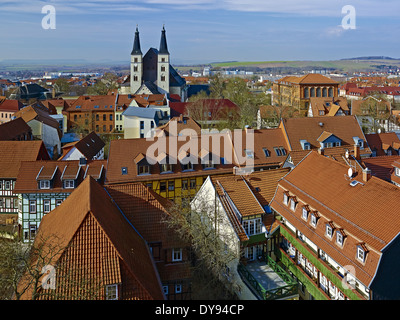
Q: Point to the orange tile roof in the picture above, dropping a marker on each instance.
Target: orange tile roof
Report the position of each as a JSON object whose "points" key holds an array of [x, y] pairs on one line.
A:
{"points": [[13, 129], [14, 152], [310, 129], [321, 183], [382, 141], [89, 222], [381, 166], [30, 171]]}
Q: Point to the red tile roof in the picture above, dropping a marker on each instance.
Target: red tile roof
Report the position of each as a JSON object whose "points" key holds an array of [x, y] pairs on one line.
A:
{"points": [[323, 185], [89, 222]]}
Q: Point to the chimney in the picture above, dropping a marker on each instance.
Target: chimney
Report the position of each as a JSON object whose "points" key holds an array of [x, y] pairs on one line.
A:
{"points": [[366, 174], [357, 152]]}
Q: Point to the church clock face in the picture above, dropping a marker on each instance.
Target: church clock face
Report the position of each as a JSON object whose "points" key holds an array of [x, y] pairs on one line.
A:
{"points": [[135, 64]]}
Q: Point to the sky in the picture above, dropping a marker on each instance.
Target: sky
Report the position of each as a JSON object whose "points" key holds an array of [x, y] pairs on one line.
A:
{"points": [[200, 31]]}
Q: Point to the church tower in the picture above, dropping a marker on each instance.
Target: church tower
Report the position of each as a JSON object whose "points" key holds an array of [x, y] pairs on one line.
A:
{"points": [[163, 65], [136, 64]]}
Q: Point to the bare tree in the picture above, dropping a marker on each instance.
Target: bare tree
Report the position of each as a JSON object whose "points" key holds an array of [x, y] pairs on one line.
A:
{"points": [[39, 272], [217, 252]]}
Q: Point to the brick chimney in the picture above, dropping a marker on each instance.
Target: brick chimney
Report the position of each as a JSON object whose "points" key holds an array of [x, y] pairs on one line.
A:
{"points": [[357, 152], [366, 174]]}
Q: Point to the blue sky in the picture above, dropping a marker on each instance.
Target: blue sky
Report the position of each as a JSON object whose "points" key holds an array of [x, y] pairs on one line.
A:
{"points": [[200, 30]]}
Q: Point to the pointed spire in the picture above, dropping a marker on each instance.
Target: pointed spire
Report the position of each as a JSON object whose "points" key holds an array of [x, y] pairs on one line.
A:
{"points": [[136, 43], [163, 43]]}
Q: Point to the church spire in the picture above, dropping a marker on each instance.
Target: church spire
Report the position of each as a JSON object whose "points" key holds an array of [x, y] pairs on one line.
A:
{"points": [[136, 43], [163, 43]]}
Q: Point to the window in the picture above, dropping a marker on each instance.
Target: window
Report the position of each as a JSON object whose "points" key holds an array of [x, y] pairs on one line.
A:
{"points": [[112, 292], [58, 202], [192, 183], [397, 172], [32, 206], [249, 153], [46, 206], [124, 170], [162, 68], [171, 186], [32, 231], [163, 186], [176, 255], [252, 226], [285, 198], [111, 117], [280, 151], [313, 220], [360, 254], [329, 230], [1, 185], [266, 152], [187, 166], [304, 214], [144, 169], [339, 238], [69, 184], [44, 184], [7, 185], [166, 167], [292, 204], [184, 184]]}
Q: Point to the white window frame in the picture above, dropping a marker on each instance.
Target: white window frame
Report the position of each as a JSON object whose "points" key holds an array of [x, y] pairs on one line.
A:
{"points": [[339, 238], [329, 231], [46, 202], [292, 204], [397, 171], [360, 254], [285, 199], [32, 206], [304, 214], [44, 184], [67, 184], [313, 220], [112, 295], [176, 255]]}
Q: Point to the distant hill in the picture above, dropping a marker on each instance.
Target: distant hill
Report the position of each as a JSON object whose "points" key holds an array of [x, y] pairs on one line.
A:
{"points": [[372, 58]]}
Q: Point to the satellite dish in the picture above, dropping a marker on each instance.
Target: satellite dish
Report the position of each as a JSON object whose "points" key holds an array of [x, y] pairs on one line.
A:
{"points": [[350, 172]]}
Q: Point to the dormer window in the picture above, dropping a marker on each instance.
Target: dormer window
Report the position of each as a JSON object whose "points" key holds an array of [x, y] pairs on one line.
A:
{"points": [[397, 172], [266, 152], [329, 230], [44, 184], [286, 198], [280, 151], [166, 167], [361, 253], [304, 213], [314, 219], [249, 153], [293, 203], [340, 237], [187, 166], [145, 169], [69, 184]]}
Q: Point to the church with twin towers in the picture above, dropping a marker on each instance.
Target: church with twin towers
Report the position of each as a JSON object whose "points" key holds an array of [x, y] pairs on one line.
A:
{"points": [[153, 73]]}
